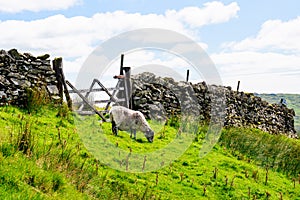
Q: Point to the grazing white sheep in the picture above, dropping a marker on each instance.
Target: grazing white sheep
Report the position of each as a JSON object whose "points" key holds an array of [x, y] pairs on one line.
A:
{"points": [[129, 120]]}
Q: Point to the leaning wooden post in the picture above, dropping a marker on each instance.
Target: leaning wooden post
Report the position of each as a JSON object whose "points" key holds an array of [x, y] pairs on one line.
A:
{"points": [[86, 101], [66, 92], [61, 81]]}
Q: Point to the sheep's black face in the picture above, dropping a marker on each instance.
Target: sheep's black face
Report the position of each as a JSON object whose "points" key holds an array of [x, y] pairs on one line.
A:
{"points": [[150, 135], [150, 139]]}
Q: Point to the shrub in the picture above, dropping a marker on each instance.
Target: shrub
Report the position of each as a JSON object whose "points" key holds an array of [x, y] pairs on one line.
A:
{"points": [[36, 98]]}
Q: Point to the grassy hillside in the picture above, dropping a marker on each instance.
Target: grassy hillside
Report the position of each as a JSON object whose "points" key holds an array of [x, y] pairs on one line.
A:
{"points": [[42, 157], [293, 101]]}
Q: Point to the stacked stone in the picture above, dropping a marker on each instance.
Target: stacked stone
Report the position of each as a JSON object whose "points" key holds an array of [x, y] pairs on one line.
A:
{"points": [[156, 96], [20, 71], [246, 109], [161, 98], [152, 97]]}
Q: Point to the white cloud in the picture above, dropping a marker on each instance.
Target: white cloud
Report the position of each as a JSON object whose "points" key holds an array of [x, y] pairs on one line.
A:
{"points": [[212, 13], [274, 35], [259, 72], [255, 62], [267, 62], [74, 38], [15, 6]]}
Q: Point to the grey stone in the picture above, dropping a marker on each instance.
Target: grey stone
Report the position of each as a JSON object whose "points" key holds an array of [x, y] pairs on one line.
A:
{"points": [[52, 89], [15, 54], [241, 109], [43, 57], [20, 83]]}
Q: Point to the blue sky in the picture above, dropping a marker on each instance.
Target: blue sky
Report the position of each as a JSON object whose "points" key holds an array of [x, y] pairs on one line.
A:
{"points": [[256, 42]]}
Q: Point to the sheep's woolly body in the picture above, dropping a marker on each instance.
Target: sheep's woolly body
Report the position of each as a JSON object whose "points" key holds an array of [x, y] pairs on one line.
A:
{"points": [[129, 120]]}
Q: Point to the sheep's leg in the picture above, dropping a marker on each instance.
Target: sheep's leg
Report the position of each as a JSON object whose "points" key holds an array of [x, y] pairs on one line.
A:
{"points": [[134, 133], [114, 127]]}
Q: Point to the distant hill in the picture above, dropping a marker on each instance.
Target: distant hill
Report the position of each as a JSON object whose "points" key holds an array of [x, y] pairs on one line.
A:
{"points": [[293, 101]]}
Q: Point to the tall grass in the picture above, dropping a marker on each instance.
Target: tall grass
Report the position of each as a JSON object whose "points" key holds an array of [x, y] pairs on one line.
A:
{"points": [[274, 151]]}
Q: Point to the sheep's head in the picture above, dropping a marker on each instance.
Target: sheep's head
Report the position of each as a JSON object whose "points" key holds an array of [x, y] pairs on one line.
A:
{"points": [[149, 135]]}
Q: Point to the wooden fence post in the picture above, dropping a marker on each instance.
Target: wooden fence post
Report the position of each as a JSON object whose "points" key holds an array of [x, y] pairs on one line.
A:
{"points": [[121, 64], [61, 82], [57, 62], [187, 75], [128, 89], [238, 86], [126, 83]]}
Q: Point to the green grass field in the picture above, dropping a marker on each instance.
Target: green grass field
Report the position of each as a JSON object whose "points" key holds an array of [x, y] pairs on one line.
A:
{"points": [[48, 155]]}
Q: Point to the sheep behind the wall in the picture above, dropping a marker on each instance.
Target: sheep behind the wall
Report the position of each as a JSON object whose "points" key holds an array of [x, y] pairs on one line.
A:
{"points": [[129, 120]]}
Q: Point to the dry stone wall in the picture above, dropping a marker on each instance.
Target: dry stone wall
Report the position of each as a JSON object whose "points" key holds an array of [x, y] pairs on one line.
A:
{"points": [[163, 97], [156, 97], [20, 71]]}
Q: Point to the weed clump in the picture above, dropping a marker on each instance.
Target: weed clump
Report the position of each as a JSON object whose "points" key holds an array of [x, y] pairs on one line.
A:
{"points": [[25, 140], [36, 98]]}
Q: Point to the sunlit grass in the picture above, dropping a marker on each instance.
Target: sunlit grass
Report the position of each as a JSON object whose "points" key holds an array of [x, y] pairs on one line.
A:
{"points": [[63, 162]]}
